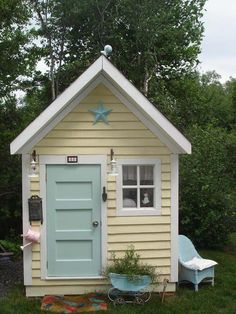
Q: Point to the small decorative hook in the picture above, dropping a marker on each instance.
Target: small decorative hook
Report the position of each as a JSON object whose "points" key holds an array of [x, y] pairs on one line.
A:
{"points": [[33, 155], [112, 154]]}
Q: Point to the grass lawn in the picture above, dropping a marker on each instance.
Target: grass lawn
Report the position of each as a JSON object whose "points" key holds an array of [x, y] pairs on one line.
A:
{"points": [[218, 299]]}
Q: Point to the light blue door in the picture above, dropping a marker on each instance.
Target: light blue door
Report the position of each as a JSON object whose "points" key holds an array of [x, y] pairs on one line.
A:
{"points": [[73, 220]]}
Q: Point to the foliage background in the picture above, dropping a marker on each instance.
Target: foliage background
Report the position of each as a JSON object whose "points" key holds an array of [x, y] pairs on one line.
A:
{"points": [[156, 45]]}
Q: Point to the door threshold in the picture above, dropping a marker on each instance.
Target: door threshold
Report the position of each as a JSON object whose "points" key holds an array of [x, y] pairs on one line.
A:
{"points": [[73, 278]]}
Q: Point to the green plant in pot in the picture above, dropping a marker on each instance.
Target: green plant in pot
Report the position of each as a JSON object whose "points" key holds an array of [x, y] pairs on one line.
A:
{"points": [[128, 273]]}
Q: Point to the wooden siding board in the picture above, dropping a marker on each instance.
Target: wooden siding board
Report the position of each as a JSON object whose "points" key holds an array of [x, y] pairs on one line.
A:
{"points": [[140, 246], [119, 229], [116, 125], [116, 107], [147, 254], [103, 142], [100, 134], [122, 151], [160, 261], [106, 99], [36, 256], [79, 282], [137, 237], [138, 220], [89, 117], [32, 291], [35, 264], [36, 248]]}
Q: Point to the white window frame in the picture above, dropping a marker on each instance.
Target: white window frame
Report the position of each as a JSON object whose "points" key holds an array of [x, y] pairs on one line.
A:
{"points": [[144, 211]]}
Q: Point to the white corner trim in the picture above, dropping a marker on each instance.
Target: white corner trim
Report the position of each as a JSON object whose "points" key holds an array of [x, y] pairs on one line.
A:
{"points": [[27, 253], [83, 159], [174, 216]]}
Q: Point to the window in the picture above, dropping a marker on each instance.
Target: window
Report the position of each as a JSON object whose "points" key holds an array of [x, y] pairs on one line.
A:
{"points": [[138, 187]]}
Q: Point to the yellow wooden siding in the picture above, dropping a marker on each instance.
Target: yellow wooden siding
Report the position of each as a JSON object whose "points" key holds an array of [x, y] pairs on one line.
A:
{"points": [[34, 186], [120, 134], [129, 138]]}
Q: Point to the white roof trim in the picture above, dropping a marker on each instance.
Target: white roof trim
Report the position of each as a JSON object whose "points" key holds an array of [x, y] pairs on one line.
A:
{"points": [[57, 106], [79, 90], [143, 117], [129, 89]]}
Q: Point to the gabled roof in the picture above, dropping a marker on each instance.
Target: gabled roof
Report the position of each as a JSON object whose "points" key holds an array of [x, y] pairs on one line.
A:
{"points": [[101, 71]]}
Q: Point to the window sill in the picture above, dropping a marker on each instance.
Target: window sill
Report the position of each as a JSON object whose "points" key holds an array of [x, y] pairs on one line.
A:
{"points": [[138, 212]]}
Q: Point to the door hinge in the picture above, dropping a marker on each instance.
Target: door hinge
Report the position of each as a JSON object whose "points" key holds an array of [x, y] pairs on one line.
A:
{"points": [[46, 177]]}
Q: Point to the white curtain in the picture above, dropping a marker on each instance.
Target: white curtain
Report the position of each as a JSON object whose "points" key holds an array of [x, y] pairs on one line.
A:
{"points": [[146, 173], [129, 173]]}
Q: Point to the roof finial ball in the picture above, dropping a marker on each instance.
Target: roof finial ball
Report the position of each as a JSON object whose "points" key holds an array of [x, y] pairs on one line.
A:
{"points": [[107, 51]]}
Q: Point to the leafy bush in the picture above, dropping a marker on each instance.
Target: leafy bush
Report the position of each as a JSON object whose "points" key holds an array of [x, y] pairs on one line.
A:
{"points": [[12, 247], [206, 194], [130, 265]]}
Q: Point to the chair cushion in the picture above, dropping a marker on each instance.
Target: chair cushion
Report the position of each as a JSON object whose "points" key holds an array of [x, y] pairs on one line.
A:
{"points": [[199, 263]]}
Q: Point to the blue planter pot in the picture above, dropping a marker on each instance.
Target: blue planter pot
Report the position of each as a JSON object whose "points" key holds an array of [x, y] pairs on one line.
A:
{"points": [[125, 283]]}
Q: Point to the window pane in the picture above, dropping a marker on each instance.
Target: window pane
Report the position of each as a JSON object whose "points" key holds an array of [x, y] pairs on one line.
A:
{"points": [[129, 175], [146, 175], [129, 198], [146, 197]]}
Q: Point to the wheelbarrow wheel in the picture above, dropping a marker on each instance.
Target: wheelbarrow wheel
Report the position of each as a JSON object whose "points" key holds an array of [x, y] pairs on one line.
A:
{"points": [[145, 295], [113, 293], [119, 301], [139, 301]]}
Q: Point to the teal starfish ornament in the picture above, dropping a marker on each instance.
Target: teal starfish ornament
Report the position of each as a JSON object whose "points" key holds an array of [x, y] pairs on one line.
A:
{"points": [[100, 113]]}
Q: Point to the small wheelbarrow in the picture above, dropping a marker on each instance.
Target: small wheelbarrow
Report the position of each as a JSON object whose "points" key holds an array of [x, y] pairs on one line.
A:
{"points": [[129, 290]]}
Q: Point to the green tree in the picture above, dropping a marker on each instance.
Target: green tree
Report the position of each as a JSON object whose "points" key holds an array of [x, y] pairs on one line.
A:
{"points": [[152, 40], [204, 110], [18, 56], [206, 192]]}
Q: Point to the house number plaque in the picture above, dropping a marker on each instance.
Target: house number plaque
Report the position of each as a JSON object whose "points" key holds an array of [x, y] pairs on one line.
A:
{"points": [[72, 159]]}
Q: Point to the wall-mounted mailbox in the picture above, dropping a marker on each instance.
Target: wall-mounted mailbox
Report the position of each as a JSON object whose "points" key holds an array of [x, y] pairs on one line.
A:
{"points": [[35, 208]]}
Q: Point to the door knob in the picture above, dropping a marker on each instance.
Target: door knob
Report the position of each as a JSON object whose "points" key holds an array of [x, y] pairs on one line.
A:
{"points": [[95, 223]]}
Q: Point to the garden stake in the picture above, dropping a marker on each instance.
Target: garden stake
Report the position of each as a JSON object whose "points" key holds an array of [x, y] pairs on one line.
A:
{"points": [[165, 282]]}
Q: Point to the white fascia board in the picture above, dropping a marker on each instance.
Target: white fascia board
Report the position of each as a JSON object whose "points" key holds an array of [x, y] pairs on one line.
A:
{"points": [[56, 107], [60, 115], [129, 89]]}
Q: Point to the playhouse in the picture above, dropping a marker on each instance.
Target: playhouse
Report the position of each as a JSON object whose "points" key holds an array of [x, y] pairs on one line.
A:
{"points": [[105, 175]]}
